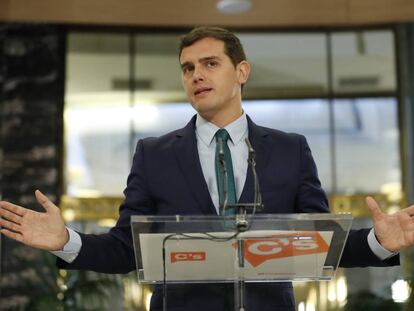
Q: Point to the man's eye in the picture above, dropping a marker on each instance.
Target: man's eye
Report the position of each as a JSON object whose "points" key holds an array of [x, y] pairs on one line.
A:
{"points": [[186, 69], [211, 64]]}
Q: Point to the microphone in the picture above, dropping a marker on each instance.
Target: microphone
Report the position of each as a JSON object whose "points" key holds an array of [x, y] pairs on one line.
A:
{"points": [[221, 152], [252, 153], [252, 163]]}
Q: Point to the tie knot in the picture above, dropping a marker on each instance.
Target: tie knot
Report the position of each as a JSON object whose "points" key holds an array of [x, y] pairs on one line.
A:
{"points": [[223, 135]]}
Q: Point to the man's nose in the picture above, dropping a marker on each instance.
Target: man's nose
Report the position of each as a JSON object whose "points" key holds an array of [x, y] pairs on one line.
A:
{"points": [[198, 74]]}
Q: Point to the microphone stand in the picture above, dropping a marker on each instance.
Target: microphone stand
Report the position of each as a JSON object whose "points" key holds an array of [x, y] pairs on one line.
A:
{"points": [[242, 223]]}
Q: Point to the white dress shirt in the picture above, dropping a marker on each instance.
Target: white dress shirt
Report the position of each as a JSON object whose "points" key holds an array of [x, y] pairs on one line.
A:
{"points": [[206, 145]]}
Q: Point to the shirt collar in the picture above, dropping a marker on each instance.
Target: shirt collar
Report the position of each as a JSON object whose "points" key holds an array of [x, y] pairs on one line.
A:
{"points": [[206, 130]]}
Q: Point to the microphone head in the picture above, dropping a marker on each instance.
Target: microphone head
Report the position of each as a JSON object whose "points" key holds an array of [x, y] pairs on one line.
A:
{"points": [[221, 148], [249, 147]]}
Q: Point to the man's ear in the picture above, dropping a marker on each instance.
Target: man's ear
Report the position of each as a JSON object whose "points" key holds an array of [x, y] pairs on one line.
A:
{"points": [[243, 71]]}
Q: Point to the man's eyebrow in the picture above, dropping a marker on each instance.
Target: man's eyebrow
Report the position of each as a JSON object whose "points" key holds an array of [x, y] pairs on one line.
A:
{"points": [[203, 59]]}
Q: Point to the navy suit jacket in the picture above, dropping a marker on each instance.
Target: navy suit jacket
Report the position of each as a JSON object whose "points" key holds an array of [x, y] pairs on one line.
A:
{"points": [[166, 179]]}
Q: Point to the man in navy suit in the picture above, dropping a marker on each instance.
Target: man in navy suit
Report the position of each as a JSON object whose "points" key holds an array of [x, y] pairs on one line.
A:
{"points": [[175, 174]]}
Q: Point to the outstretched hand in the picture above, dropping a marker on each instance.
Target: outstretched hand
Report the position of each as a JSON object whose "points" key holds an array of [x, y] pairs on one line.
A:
{"points": [[41, 230], [394, 232]]}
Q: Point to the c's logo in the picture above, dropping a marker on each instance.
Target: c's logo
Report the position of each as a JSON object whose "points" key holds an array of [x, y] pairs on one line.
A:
{"points": [[280, 246], [187, 256]]}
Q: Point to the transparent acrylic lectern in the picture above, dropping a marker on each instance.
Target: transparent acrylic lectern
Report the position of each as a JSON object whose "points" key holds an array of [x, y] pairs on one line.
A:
{"points": [[238, 249]]}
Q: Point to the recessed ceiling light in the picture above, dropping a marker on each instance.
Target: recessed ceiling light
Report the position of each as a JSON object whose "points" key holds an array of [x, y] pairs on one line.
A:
{"points": [[234, 6]]}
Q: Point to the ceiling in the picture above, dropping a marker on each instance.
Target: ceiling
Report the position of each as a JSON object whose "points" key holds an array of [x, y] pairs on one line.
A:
{"points": [[187, 13]]}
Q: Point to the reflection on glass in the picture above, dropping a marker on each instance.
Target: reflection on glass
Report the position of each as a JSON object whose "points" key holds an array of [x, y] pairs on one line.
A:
{"points": [[97, 150], [309, 117], [96, 123], [285, 65], [96, 62], [363, 62], [368, 152], [157, 67], [165, 118], [157, 80]]}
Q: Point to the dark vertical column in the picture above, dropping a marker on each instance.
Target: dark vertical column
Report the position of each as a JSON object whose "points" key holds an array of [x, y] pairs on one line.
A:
{"points": [[331, 110], [2, 78], [405, 44], [31, 135]]}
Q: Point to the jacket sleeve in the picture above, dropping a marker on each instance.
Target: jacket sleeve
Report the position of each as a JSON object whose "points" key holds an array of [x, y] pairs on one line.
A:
{"points": [[113, 252]]}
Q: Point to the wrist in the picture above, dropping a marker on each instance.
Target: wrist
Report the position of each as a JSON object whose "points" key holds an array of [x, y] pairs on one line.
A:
{"points": [[377, 248], [66, 237], [63, 241]]}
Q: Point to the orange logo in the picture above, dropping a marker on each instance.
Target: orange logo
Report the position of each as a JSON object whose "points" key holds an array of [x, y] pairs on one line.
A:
{"points": [[284, 245], [188, 256]]}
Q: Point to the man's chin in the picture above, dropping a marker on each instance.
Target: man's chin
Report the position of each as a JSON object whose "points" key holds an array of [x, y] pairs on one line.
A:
{"points": [[202, 108]]}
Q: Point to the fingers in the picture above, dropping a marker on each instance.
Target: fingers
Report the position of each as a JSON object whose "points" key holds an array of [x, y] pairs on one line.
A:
{"points": [[12, 235], [376, 211], [374, 208], [18, 210], [4, 223], [10, 216], [43, 200]]}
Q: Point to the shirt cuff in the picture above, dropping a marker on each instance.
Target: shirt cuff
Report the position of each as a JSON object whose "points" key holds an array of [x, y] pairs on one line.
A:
{"points": [[72, 247], [377, 248]]}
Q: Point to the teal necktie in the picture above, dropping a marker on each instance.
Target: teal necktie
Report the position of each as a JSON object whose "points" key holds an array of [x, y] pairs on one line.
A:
{"points": [[223, 135]]}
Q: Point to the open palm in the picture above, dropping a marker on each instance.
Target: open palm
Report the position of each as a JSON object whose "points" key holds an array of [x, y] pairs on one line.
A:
{"points": [[395, 232], [41, 230]]}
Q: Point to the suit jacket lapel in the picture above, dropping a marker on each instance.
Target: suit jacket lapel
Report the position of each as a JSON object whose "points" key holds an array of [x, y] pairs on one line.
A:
{"points": [[186, 152], [257, 137]]}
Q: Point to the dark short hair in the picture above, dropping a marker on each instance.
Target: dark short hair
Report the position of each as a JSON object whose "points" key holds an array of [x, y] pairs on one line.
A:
{"points": [[232, 45]]}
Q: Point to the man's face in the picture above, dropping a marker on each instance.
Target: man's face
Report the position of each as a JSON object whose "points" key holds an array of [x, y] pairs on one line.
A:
{"points": [[212, 83]]}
